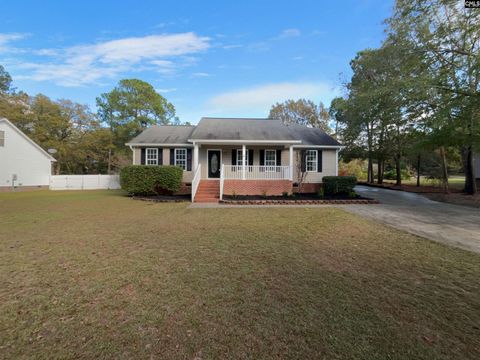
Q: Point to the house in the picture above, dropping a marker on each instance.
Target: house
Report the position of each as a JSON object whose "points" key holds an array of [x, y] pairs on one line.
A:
{"points": [[23, 164], [227, 156]]}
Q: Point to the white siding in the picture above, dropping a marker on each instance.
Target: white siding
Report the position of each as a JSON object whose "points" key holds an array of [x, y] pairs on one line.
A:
{"points": [[19, 156]]}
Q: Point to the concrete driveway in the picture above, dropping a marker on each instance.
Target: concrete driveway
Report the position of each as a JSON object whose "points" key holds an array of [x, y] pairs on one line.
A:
{"points": [[450, 224]]}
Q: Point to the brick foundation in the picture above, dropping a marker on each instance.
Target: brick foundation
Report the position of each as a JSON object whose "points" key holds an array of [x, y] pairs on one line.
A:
{"points": [[257, 187], [308, 188], [185, 189]]}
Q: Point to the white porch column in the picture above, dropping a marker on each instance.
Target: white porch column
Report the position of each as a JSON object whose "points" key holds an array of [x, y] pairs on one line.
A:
{"points": [[195, 157], [244, 161], [336, 162], [291, 162]]}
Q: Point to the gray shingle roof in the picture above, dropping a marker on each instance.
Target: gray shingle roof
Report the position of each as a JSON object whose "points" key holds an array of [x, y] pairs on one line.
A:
{"points": [[240, 129], [164, 135], [234, 129], [312, 136]]}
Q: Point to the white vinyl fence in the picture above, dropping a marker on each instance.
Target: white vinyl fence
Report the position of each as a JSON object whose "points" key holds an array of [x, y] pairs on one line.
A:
{"points": [[84, 182]]}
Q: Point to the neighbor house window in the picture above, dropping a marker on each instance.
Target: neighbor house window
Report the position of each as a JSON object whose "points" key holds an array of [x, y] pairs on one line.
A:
{"points": [[181, 158], [270, 157], [311, 160], [2, 138], [239, 157], [151, 156]]}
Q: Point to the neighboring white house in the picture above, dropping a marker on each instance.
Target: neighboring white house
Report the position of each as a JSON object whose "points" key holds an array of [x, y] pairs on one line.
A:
{"points": [[22, 162]]}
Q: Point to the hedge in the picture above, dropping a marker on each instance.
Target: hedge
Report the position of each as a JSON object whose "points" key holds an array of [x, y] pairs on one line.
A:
{"points": [[151, 180], [334, 185]]}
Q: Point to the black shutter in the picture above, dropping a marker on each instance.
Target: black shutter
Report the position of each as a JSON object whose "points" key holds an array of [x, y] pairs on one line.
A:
{"points": [[172, 156], [189, 159], [250, 157], [234, 156], [142, 156], [302, 161], [160, 156], [262, 157], [319, 160], [279, 157]]}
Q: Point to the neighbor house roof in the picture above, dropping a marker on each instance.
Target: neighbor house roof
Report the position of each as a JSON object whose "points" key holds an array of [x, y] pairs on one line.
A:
{"points": [[235, 130], [20, 132], [170, 134]]}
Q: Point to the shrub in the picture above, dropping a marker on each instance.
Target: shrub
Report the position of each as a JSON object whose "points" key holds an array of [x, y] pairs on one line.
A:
{"points": [[321, 193], [334, 185], [392, 174], [151, 180]]}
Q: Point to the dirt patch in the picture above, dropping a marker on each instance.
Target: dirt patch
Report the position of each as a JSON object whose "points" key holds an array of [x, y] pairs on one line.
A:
{"points": [[457, 199], [409, 188]]}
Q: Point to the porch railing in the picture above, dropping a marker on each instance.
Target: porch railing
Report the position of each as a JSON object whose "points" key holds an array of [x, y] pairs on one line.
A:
{"points": [[256, 172], [196, 180]]}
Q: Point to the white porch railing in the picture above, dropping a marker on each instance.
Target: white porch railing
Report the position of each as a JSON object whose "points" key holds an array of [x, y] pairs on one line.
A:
{"points": [[196, 180], [256, 172], [222, 177]]}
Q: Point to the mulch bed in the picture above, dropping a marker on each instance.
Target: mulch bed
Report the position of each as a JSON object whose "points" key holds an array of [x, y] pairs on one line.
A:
{"points": [[299, 199], [164, 198], [409, 188]]}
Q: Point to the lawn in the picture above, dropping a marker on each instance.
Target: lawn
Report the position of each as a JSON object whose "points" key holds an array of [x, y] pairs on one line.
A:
{"points": [[98, 275]]}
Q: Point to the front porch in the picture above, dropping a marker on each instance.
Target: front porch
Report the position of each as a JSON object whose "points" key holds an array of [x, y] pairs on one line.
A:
{"points": [[255, 169]]}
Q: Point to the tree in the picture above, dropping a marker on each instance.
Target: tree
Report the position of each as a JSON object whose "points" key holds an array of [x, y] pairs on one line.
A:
{"points": [[447, 36], [131, 107], [302, 112], [5, 80]]}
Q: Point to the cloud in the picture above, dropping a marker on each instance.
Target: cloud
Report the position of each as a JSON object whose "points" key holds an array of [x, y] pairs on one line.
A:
{"points": [[289, 33], [260, 98], [165, 91], [5, 39], [84, 64], [200, 74]]}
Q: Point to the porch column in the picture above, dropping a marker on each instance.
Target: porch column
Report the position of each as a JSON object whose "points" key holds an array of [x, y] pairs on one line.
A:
{"points": [[291, 162], [195, 157], [244, 160]]}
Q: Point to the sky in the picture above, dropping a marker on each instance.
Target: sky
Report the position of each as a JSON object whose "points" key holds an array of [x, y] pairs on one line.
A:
{"points": [[208, 58]]}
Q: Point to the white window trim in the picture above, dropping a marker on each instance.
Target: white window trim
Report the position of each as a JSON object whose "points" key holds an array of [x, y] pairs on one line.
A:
{"points": [[265, 157], [239, 156], [146, 156], [315, 163], [175, 157]]}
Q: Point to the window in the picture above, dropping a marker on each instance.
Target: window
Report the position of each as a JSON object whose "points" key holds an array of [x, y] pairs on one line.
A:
{"points": [[311, 160], [151, 156], [239, 157], [270, 157], [181, 158], [2, 138]]}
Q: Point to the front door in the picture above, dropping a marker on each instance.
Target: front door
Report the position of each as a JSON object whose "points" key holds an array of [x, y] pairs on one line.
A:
{"points": [[214, 163]]}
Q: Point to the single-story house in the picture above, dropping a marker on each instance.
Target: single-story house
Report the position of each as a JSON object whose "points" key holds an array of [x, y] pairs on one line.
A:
{"points": [[240, 156], [23, 163]]}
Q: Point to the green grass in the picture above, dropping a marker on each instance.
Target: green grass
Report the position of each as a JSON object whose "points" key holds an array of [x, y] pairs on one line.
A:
{"points": [[99, 275]]}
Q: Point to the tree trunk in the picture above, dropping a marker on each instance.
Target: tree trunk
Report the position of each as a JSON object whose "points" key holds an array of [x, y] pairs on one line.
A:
{"points": [[418, 170], [370, 169], [470, 185], [398, 170], [109, 161], [444, 170], [381, 165]]}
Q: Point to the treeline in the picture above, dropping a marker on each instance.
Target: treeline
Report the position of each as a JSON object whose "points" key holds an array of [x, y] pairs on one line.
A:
{"points": [[416, 99], [83, 141]]}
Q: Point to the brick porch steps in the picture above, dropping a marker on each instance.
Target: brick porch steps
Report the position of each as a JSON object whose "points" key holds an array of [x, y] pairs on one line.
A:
{"points": [[208, 191]]}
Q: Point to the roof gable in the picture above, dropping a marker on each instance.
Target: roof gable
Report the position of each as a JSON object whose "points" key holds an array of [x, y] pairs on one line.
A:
{"points": [[35, 145]]}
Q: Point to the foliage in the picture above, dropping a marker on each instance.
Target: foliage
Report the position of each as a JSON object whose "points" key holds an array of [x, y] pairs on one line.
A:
{"points": [[356, 167], [391, 174], [302, 112], [5, 80], [321, 193], [131, 107], [151, 180], [334, 185]]}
